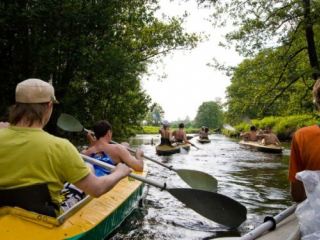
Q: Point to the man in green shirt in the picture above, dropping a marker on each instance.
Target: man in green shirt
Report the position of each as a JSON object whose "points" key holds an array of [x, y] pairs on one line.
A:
{"points": [[29, 155]]}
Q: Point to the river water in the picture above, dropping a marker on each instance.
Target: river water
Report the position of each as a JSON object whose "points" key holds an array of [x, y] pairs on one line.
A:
{"points": [[255, 179]]}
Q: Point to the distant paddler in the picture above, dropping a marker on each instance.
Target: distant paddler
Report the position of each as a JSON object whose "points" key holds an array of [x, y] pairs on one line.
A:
{"points": [[180, 136], [268, 137], [165, 133], [251, 135]]}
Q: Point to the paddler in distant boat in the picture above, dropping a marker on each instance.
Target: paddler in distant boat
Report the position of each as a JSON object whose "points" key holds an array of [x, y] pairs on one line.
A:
{"points": [[251, 135], [268, 137], [205, 133], [202, 132], [179, 136], [165, 132], [114, 154]]}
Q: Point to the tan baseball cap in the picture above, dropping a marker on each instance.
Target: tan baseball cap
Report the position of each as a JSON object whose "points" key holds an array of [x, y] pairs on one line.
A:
{"points": [[35, 91]]}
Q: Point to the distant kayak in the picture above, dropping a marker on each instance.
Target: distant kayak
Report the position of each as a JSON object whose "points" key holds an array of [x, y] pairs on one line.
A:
{"points": [[203, 140], [271, 148], [168, 150]]}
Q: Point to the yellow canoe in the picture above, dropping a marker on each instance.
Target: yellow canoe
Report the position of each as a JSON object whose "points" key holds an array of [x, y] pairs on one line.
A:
{"points": [[95, 219]]}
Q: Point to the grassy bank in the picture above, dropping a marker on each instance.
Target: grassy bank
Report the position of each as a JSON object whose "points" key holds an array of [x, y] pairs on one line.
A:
{"points": [[284, 127], [155, 130]]}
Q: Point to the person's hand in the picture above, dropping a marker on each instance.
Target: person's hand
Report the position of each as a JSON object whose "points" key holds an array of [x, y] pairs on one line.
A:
{"points": [[122, 169], [91, 138]]}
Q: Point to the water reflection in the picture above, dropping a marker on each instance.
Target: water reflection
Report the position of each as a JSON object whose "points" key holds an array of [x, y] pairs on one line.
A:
{"points": [[257, 180]]}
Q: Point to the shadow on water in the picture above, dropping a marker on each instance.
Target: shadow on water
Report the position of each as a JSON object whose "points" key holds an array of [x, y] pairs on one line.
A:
{"points": [[257, 180]]}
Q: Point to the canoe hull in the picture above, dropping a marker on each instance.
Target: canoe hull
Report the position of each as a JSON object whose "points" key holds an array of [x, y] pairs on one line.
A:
{"points": [[203, 141], [95, 220], [165, 150], [262, 148]]}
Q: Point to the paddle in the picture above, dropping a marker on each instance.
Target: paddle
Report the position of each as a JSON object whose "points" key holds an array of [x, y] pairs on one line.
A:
{"points": [[269, 224], [214, 206], [193, 178], [193, 145]]}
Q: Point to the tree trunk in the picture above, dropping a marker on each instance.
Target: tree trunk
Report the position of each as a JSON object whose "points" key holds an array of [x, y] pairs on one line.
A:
{"points": [[312, 52]]}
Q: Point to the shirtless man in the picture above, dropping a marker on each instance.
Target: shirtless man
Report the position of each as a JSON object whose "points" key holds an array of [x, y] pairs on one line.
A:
{"points": [[111, 153], [180, 135], [250, 136], [165, 133], [268, 137]]}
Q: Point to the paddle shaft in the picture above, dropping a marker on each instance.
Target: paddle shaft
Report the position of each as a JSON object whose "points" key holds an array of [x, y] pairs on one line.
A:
{"points": [[268, 224], [110, 167], [193, 145], [223, 209], [149, 158]]}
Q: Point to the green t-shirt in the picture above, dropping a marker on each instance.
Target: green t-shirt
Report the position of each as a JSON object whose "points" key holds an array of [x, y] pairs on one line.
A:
{"points": [[31, 155]]}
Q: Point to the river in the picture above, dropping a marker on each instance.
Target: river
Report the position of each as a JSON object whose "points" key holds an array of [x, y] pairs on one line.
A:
{"points": [[255, 179]]}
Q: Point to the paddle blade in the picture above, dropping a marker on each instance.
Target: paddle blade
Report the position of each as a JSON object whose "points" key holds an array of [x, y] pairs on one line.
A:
{"points": [[198, 180], [214, 206], [69, 123]]}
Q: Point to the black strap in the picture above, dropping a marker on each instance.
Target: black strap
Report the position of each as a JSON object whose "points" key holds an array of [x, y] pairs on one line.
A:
{"points": [[35, 198], [274, 223]]}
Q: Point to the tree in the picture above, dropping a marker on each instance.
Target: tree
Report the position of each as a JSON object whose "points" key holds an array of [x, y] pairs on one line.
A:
{"points": [[155, 115], [276, 23], [254, 91], [95, 51], [287, 31], [209, 114]]}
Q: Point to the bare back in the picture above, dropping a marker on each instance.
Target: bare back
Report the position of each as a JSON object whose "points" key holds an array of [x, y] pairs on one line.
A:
{"points": [[118, 153]]}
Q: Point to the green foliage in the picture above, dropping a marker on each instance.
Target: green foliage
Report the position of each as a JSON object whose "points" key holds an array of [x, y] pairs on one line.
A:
{"points": [[154, 115], [209, 114], [150, 130], [280, 39], [96, 52], [155, 130], [256, 90]]}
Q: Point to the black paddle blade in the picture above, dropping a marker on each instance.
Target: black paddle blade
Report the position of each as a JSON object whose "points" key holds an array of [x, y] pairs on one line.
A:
{"points": [[214, 206], [69, 123], [198, 180]]}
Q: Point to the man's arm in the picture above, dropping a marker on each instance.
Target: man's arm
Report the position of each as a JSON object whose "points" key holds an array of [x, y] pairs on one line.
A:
{"points": [[97, 186], [134, 162]]}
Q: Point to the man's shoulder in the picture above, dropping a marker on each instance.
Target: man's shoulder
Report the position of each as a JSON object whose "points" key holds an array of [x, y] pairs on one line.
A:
{"points": [[311, 128]]}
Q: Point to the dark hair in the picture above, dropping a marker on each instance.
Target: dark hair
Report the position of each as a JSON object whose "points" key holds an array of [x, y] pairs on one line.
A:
{"points": [[32, 112], [253, 128], [101, 128], [181, 125], [206, 129]]}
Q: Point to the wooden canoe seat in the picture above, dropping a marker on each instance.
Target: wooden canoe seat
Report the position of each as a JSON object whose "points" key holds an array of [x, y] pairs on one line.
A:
{"points": [[35, 198]]}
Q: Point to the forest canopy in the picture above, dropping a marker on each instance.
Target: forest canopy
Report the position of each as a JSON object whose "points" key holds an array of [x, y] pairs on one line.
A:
{"points": [[95, 53], [280, 42]]}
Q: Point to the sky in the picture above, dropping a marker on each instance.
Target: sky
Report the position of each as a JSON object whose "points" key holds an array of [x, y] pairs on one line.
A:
{"points": [[189, 81]]}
